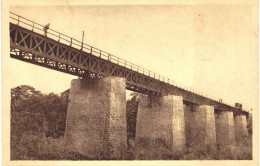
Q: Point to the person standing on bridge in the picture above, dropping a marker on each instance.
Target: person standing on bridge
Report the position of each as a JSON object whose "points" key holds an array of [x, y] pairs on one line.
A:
{"points": [[46, 27]]}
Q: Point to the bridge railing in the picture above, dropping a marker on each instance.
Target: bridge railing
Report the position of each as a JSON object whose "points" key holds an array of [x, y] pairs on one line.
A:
{"points": [[62, 38]]}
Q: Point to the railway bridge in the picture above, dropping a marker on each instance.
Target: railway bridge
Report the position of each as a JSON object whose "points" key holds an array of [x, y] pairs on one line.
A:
{"points": [[96, 117]]}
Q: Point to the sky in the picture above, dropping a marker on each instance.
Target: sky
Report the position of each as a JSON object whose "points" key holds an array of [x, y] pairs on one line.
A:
{"points": [[212, 48]]}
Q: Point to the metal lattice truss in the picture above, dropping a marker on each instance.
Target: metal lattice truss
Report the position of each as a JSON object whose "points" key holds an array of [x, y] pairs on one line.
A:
{"points": [[35, 48], [38, 49]]}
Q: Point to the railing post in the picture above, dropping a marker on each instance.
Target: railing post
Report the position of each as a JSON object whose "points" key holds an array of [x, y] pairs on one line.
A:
{"points": [[82, 41], [18, 20], [59, 38], [33, 26], [108, 57], [100, 54], [91, 50], [70, 41]]}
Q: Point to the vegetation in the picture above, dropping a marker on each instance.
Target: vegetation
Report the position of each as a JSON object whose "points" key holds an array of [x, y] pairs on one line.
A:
{"points": [[34, 116], [38, 125]]}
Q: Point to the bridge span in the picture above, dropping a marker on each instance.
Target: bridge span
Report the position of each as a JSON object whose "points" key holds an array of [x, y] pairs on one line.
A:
{"points": [[96, 117], [62, 53]]}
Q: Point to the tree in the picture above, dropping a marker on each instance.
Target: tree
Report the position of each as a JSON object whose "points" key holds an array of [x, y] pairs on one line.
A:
{"points": [[21, 93], [33, 116], [27, 103]]}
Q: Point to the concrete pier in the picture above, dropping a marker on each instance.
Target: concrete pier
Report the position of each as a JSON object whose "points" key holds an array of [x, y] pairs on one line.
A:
{"points": [[225, 130], [160, 127], [240, 126], [200, 127], [96, 118]]}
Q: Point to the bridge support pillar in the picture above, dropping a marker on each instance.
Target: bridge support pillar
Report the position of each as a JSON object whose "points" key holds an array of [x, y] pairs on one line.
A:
{"points": [[96, 118], [240, 126], [200, 127], [160, 127], [225, 130]]}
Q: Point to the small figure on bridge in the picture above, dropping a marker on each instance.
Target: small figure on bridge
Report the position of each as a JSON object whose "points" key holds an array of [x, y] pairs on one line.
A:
{"points": [[46, 27]]}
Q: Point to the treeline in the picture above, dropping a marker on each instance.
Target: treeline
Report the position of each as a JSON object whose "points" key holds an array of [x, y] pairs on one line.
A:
{"points": [[33, 112]]}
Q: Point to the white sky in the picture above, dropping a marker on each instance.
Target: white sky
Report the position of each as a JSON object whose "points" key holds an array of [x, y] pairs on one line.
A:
{"points": [[211, 48]]}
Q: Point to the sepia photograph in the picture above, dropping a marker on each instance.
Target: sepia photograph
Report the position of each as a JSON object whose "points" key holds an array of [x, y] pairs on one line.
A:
{"points": [[173, 83]]}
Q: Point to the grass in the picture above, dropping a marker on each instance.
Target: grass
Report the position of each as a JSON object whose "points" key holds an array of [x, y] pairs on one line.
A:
{"points": [[241, 151], [31, 147]]}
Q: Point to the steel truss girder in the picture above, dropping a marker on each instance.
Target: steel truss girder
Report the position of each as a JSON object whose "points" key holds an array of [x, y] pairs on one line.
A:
{"points": [[32, 47]]}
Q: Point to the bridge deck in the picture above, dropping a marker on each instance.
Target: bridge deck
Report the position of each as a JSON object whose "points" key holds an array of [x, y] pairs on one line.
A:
{"points": [[85, 61]]}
